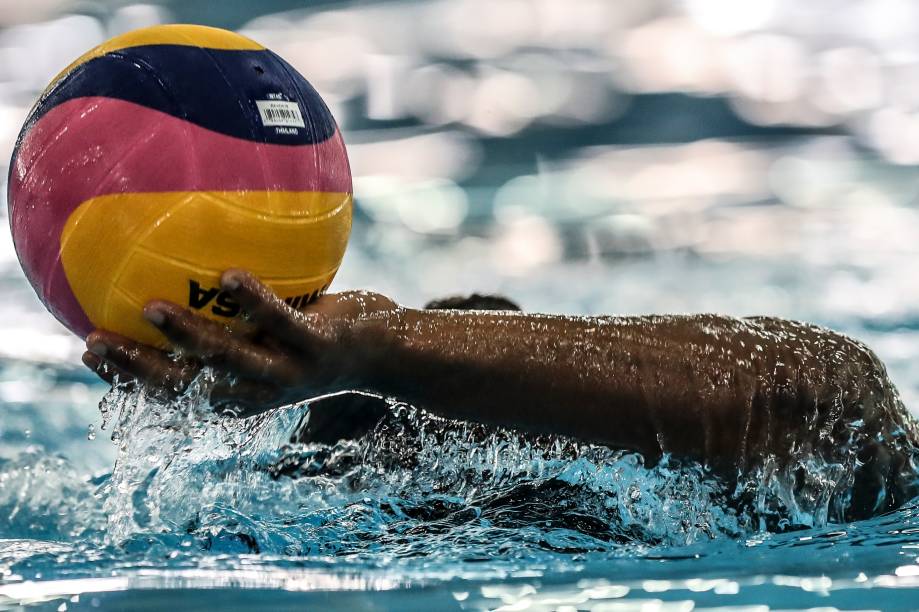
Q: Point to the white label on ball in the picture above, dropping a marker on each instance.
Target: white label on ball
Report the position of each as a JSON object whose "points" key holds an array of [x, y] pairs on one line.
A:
{"points": [[279, 112]]}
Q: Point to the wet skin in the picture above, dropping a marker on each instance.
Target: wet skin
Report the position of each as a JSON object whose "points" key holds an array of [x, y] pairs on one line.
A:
{"points": [[731, 393]]}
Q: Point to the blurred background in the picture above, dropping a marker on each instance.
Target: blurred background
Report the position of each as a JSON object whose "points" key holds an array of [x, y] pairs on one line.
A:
{"points": [[580, 156]]}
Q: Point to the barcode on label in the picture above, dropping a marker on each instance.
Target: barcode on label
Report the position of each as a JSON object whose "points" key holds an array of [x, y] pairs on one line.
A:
{"points": [[279, 112]]}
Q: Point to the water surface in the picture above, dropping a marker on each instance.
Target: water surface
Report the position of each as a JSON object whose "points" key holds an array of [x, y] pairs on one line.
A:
{"points": [[184, 508]]}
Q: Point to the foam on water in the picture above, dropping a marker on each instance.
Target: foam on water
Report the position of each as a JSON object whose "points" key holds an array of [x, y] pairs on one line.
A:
{"points": [[416, 485], [189, 488]]}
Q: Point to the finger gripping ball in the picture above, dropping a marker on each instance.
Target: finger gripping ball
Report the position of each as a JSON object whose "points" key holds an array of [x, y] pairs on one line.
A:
{"points": [[165, 156]]}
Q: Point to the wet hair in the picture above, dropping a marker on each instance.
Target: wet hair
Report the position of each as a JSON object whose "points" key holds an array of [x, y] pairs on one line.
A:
{"points": [[476, 301]]}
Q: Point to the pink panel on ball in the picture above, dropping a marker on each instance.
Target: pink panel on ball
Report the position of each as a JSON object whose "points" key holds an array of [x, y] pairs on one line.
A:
{"points": [[88, 147]]}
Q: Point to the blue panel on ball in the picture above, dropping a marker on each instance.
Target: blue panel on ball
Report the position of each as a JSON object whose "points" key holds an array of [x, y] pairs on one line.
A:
{"points": [[214, 88]]}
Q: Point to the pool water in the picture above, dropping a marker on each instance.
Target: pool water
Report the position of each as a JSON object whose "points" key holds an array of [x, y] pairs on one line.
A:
{"points": [[141, 505]]}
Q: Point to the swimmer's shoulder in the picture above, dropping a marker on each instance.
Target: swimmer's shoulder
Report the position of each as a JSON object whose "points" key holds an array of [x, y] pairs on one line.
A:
{"points": [[831, 345]]}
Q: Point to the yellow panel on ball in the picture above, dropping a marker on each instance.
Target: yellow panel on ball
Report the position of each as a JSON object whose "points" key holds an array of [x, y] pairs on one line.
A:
{"points": [[175, 245]]}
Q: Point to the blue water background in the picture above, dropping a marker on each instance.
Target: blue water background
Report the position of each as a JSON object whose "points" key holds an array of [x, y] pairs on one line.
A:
{"points": [[186, 531]]}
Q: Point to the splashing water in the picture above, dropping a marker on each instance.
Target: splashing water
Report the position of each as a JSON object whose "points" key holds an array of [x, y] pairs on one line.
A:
{"points": [[416, 485], [418, 495]]}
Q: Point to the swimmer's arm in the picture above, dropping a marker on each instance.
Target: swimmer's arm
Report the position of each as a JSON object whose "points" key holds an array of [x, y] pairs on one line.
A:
{"points": [[733, 393], [689, 386], [712, 388]]}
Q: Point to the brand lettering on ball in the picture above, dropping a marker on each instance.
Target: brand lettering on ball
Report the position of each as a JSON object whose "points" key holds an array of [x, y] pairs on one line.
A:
{"points": [[225, 306]]}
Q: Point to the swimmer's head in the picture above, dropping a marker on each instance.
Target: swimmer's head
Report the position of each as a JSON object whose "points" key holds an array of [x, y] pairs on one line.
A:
{"points": [[475, 301]]}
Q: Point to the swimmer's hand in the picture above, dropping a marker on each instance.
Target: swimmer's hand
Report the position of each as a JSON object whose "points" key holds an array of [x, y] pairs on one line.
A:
{"points": [[289, 356]]}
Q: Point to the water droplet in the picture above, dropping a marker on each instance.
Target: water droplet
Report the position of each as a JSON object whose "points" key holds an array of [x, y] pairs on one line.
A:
{"points": [[91, 432]]}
